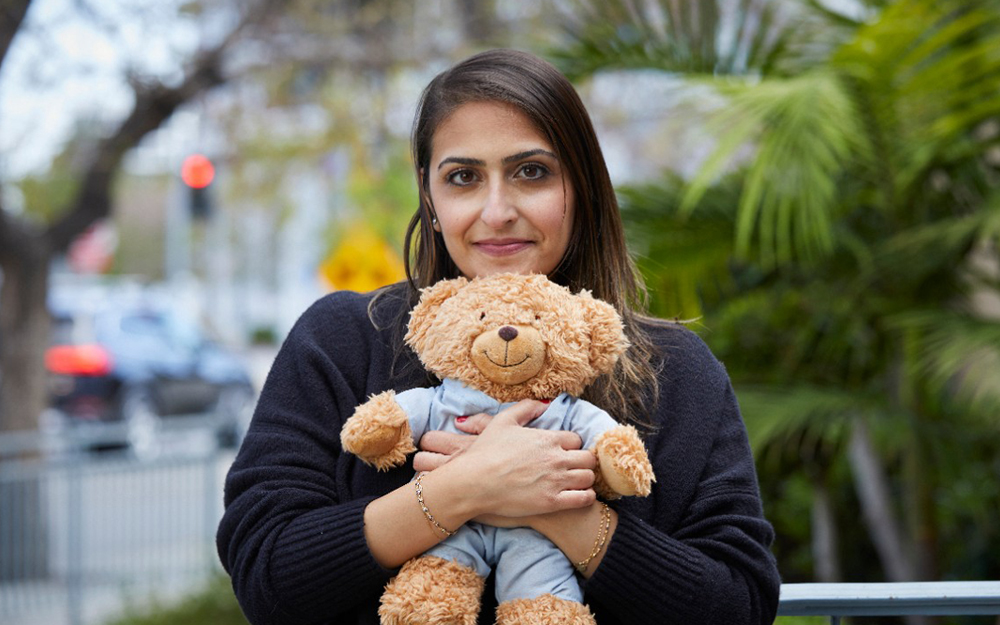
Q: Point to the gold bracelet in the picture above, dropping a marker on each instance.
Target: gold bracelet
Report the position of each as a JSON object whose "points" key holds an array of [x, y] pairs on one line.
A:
{"points": [[427, 513], [602, 537]]}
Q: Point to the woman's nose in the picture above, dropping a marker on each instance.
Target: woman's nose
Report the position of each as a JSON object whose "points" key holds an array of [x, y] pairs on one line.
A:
{"points": [[499, 209]]}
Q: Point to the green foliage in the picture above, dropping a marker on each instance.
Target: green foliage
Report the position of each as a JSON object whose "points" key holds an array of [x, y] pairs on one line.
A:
{"points": [[387, 195], [45, 196], [688, 37], [215, 605], [802, 620], [832, 243], [687, 264], [806, 132]]}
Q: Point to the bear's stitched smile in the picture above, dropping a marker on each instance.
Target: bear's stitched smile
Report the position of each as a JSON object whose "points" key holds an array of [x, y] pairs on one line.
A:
{"points": [[487, 354]]}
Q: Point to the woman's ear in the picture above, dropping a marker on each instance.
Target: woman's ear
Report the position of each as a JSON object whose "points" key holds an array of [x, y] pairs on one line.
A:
{"points": [[426, 193], [422, 315]]}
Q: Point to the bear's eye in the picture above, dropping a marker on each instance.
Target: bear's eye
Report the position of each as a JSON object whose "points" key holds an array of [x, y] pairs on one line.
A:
{"points": [[482, 316], [538, 317]]}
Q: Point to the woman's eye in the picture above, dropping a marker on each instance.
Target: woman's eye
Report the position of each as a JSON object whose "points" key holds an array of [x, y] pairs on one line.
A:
{"points": [[532, 171], [462, 177]]}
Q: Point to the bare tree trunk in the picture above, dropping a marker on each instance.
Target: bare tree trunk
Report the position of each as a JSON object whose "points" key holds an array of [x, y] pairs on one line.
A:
{"points": [[24, 326], [872, 486], [12, 14], [826, 561], [922, 513]]}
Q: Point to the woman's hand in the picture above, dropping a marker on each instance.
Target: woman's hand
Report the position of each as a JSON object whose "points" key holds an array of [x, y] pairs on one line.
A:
{"points": [[517, 471]]}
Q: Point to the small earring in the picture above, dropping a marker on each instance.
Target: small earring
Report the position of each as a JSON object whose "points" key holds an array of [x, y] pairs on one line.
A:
{"points": [[434, 221]]}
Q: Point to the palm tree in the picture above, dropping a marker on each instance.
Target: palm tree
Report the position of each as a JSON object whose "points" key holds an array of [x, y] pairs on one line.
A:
{"points": [[836, 240]]}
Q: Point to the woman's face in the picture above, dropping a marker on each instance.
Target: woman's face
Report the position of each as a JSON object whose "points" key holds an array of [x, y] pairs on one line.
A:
{"points": [[502, 201]]}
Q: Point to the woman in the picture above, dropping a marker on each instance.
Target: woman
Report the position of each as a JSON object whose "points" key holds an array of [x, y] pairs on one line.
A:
{"points": [[511, 178]]}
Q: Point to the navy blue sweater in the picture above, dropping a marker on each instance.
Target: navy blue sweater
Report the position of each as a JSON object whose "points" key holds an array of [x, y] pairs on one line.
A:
{"points": [[292, 537]]}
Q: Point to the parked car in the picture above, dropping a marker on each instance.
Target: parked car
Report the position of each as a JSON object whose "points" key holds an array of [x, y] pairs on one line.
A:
{"points": [[124, 370]]}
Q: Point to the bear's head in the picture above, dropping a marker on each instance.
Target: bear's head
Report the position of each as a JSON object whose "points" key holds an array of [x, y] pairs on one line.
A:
{"points": [[515, 336]]}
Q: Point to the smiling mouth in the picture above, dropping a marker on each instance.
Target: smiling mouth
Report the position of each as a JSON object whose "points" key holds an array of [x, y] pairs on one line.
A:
{"points": [[502, 248], [523, 360]]}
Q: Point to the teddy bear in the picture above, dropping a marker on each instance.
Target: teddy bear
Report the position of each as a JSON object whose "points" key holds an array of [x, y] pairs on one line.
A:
{"points": [[494, 341]]}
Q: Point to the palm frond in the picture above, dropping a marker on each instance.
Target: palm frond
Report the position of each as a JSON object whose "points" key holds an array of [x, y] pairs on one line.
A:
{"points": [[804, 420], [929, 73], [806, 133], [958, 357], [834, 16], [936, 248], [684, 260], [713, 37]]}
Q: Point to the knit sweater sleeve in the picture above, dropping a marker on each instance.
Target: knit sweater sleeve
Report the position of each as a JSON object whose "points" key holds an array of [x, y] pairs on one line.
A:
{"points": [[291, 538], [697, 551]]}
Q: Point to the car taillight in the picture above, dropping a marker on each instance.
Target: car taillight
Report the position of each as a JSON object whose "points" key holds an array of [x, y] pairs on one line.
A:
{"points": [[78, 360]]}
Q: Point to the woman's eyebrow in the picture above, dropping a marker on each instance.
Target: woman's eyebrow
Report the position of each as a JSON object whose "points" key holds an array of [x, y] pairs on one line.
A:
{"points": [[461, 160], [528, 154]]}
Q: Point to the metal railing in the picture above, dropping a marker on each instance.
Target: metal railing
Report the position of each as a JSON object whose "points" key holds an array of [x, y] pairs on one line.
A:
{"points": [[84, 535], [901, 599]]}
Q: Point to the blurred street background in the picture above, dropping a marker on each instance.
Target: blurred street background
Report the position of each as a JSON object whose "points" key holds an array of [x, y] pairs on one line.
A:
{"points": [[812, 185]]}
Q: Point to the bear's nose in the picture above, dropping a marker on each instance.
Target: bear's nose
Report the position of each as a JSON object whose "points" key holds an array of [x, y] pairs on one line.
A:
{"points": [[507, 333]]}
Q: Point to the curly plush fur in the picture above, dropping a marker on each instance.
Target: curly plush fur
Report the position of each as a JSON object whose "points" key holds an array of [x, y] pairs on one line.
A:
{"points": [[543, 610], [622, 462], [432, 591], [379, 432], [583, 336]]}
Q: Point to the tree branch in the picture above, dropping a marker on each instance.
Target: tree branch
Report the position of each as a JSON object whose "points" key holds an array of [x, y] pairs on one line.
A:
{"points": [[154, 104], [12, 13]]}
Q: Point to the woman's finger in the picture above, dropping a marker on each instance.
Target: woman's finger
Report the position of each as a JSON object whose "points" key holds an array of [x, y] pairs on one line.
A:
{"points": [[446, 443], [579, 479], [569, 499], [581, 459], [568, 440], [523, 412], [474, 424], [428, 461]]}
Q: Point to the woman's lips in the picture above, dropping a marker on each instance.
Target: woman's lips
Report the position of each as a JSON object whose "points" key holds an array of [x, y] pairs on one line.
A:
{"points": [[502, 247]]}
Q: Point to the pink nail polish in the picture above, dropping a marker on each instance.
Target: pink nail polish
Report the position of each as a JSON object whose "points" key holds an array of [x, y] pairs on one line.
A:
{"points": [[460, 419]]}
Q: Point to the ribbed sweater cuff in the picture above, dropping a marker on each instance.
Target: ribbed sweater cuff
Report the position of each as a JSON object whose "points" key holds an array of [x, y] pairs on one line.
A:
{"points": [[644, 568], [321, 563]]}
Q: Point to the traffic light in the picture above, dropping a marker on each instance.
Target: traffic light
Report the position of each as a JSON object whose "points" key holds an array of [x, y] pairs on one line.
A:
{"points": [[197, 172]]}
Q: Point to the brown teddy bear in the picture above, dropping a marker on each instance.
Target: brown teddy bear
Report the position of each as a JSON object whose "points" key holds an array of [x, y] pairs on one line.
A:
{"points": [[494, 341]]}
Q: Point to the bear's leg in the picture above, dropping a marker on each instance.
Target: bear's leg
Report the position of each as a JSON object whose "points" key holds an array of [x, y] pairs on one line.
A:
{"points": [[536, 583], [432, 591], [543, 610]]}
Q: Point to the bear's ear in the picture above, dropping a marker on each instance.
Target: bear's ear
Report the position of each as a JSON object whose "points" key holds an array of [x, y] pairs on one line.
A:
{"points": [[422, 315], [607, 334]]}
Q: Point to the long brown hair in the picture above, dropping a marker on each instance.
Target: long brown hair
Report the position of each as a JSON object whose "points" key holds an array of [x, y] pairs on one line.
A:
{"points": [[597, 258]]}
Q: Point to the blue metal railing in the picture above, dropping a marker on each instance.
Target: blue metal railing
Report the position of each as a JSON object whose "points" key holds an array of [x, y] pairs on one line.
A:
{"points": [[911, 598]]}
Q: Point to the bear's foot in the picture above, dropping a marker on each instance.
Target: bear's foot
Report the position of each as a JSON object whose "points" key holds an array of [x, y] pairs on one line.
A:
{"points": [[432, 591], [624, 465], [544, 610]]}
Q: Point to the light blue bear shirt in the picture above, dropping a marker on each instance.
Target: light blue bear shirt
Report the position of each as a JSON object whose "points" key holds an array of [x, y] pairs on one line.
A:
{"points": [[527, 564]]}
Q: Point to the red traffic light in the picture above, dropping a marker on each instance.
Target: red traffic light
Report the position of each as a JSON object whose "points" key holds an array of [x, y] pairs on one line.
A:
{"points": [[197, 171]]}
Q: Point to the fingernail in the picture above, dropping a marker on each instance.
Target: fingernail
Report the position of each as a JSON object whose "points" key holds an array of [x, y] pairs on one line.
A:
{"points": [[545, 401], [460, 419]]}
